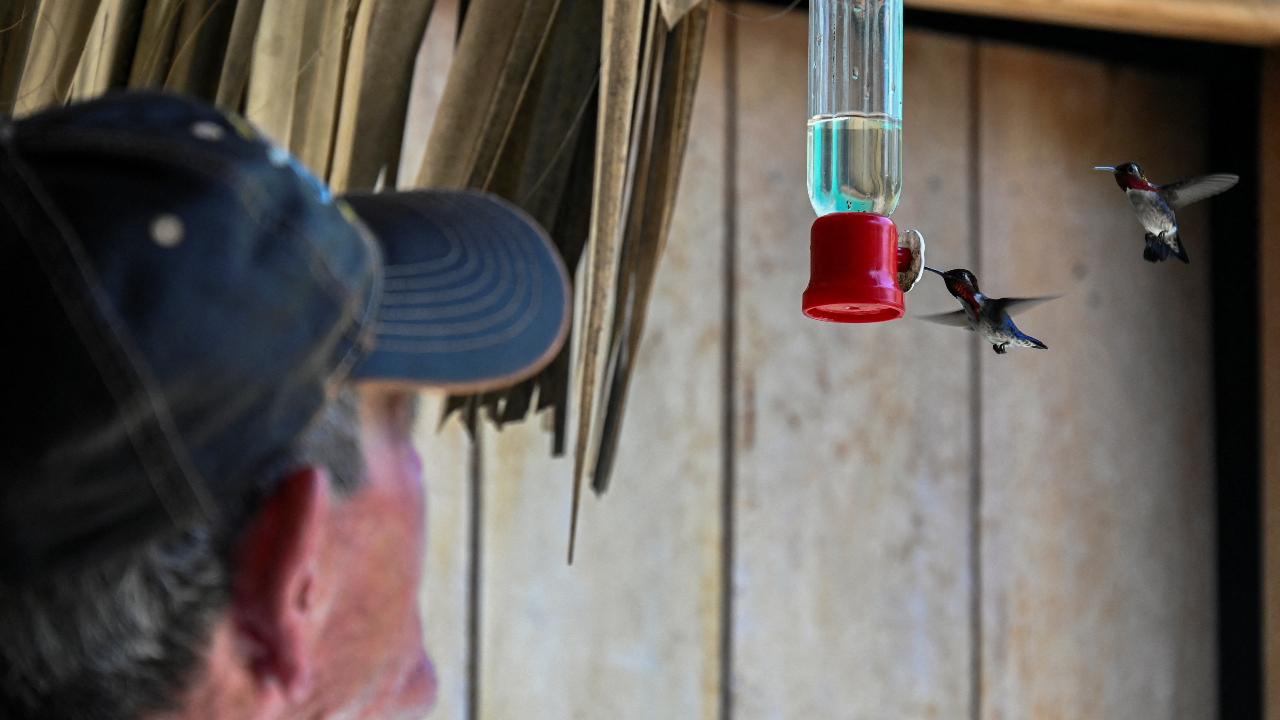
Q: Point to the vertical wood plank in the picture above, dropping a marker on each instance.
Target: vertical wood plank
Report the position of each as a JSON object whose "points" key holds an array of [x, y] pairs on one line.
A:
{"points": [[631, 630], [851, 568], [1269, 272], [444, 596], [1097, 463]]}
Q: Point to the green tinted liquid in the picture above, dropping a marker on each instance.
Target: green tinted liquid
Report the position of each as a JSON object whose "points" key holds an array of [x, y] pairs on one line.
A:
{"points": [[855, 164]]}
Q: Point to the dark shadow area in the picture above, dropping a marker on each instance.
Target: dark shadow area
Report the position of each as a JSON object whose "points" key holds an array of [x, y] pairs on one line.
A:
{"points": [[1235, 74]]}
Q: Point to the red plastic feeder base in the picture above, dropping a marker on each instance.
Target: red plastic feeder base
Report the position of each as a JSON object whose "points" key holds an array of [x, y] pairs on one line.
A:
{"points": [[853, 269]]}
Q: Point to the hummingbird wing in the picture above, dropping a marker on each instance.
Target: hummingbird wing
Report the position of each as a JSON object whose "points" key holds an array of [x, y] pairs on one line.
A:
{"points": [[1191, 190], [1017, 305], [956, 319]]}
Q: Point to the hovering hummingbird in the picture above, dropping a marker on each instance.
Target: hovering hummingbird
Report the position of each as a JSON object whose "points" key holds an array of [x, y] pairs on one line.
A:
{"points": [[989, 317], [1154, 205]]}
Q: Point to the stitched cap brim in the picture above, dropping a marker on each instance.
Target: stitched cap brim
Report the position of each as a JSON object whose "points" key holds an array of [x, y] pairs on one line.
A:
{"points": [[474, 296]]}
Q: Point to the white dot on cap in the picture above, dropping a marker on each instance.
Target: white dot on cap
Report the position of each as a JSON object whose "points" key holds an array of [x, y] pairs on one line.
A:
{"points": [[167, 230], [206, 130], [278, 156]]}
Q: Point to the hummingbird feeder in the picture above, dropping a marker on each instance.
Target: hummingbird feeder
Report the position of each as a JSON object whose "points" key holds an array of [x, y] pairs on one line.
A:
{"points": [[859, 263]]}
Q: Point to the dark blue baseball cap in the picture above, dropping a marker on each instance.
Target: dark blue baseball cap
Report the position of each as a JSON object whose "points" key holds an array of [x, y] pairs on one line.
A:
{"points": [[182, 297]]}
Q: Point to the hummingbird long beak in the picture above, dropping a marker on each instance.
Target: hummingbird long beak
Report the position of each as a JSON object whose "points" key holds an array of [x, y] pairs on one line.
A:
{"points": [[938, 272], [1104, 168]]}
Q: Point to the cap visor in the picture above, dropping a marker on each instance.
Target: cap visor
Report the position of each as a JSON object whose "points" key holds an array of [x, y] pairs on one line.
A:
{"points": [[474, 295]]}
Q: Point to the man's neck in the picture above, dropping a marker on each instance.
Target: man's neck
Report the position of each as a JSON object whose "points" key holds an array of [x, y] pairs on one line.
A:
{"points": [[222, 689]]}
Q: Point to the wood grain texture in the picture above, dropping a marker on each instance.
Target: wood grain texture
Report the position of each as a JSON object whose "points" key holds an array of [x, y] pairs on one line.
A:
{"points": [[1097, 455], [631, 630], [1269, 272], [851, 571], [444, 595], [1247, 22]]}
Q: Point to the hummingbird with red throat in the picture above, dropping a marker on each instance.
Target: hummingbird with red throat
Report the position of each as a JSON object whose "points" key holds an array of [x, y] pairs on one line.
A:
{"points": [[987, 316], [1154, 205]]}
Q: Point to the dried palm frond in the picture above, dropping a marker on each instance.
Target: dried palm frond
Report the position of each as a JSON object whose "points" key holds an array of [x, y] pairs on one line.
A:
{"points": [[623, 73], [673, 11], [17, 25], [576, 110], [277, 64], [200, 47], [379, 72], [325, 40], [497, 55], [524, 128], [234, 76], [109, 49], [651, 81], [56, 47], [664, 134], [154, 52]]}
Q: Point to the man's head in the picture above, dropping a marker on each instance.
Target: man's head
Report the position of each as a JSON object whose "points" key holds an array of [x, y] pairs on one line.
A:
{"points": [[213, 508]]}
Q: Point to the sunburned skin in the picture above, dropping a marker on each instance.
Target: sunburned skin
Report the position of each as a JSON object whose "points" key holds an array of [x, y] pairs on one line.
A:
{"points": [[324, 620]]}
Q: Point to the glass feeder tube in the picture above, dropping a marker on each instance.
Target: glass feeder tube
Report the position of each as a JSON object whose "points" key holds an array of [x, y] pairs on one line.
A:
{"points": [[855, 106], [859, 268]]}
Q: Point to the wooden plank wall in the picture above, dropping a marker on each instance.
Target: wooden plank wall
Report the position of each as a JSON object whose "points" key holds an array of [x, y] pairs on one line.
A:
{"points": [[864, 522], [851, 560], [1098, 582]]}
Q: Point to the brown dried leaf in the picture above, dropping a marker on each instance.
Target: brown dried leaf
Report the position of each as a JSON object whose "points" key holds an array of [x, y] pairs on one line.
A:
{"points": [[375, 95], [273, 77], [109, 50], [17, 25], [620, 80], [235, 65], [62, 30]]}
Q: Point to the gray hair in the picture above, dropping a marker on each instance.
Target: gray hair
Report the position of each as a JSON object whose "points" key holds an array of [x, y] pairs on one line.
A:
{"points": [[124, 637]]}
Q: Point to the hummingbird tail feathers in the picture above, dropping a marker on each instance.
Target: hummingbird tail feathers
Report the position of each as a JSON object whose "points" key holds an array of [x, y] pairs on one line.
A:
{"points": [[1162, 247], [1032, 342]]}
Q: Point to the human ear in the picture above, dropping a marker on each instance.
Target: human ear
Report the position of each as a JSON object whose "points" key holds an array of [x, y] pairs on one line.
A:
{"points": [[273, 585]]}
